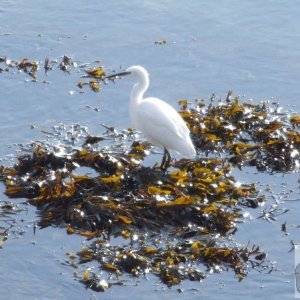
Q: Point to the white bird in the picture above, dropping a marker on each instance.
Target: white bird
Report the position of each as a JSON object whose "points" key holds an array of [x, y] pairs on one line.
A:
{"points": [[158, 121]]}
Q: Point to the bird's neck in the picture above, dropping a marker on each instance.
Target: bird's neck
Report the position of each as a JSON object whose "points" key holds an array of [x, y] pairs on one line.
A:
{"points": [[136, 97]]}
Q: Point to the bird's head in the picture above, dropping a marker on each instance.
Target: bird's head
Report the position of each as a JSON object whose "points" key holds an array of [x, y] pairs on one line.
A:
{"points": [[138, 72]]}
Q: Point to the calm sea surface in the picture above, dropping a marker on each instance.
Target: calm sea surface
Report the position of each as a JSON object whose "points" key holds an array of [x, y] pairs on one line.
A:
{"points": [[250, 47]]}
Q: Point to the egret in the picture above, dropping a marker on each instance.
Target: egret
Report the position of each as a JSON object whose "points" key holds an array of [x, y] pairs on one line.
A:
{"points": [[160, 123]]}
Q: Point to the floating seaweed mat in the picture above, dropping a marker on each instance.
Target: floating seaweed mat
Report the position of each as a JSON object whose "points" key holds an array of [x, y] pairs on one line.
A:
{"points": [[172, 221], [171, 224], [259, 135], [92, 77]]}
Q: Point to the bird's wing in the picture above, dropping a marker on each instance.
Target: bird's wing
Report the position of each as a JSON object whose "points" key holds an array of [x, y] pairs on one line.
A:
{"points": [[160, 123]]}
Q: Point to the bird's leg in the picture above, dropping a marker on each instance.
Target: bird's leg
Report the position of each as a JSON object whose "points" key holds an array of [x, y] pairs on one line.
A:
{"points": [[163, 160], [165, 163], [168, 160]]}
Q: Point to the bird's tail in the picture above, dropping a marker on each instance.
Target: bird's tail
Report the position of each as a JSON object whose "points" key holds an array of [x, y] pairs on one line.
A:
{"points": [[188, 150]]}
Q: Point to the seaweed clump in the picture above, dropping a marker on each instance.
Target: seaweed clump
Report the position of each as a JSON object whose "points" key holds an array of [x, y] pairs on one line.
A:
{"points": [[140, 220], [249, 134], [92, 76]]}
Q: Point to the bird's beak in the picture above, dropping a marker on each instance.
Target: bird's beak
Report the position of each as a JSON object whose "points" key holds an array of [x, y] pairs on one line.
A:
{"points": [[113, 76]]}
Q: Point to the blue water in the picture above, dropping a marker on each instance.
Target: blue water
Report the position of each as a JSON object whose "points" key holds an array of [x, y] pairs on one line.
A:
{"points": [[252, 48]]}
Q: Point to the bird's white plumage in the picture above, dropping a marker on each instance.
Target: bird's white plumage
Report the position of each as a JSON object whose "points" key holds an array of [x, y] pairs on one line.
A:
{"points": [[161, 126], [158, 121]]}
